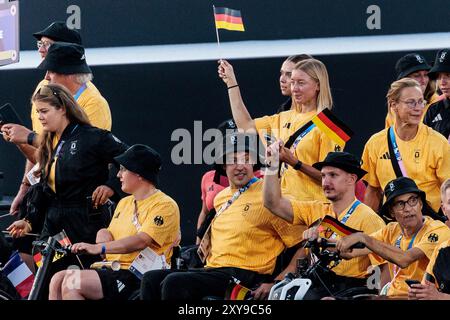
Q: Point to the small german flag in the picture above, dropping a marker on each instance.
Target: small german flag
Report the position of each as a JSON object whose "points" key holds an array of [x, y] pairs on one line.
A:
{"points": [[330, 223], [334, 128], [63, 239], [235, 291], [228, 19]]}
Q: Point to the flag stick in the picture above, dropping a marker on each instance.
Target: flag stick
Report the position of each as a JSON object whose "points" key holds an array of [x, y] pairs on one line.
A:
{"points": [[217, 33], [26, 234], [5, 215]]}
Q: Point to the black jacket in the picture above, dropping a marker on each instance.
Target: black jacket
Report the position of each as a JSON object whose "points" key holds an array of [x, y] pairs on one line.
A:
{"points": [[438, 117], [83, 162]]}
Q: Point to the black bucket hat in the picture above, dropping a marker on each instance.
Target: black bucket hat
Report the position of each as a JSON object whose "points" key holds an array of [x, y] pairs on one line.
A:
{"points": [[65, 58], [342, 160], [238, 142], [410, 63], [400, 186], [142, 160], [58, 31], [441, 63]]}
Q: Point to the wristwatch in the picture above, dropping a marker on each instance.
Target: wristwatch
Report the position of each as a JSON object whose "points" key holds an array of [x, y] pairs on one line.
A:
{"points": [[298, 165]]}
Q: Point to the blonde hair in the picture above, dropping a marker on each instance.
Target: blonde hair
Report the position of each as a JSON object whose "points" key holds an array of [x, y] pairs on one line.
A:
{"points": [[396, 88], [318, 72], [58, 97], [444, 187]]}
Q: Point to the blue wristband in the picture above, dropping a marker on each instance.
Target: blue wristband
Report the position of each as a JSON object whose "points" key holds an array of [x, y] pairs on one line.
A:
{"points": [[103, 249]]}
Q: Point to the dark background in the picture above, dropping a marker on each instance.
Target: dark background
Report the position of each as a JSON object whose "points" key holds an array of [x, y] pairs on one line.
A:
{"points": [[150, 101]]}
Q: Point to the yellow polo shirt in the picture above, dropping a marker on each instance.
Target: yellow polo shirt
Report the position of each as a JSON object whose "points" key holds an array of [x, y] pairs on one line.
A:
{"points": [[91, 101], [159, 217], [432, 234], [247, 235], [426, 159], [363, 219], [312, 148]]}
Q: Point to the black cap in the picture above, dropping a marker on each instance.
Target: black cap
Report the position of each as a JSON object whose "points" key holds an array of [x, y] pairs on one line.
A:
{"points": [[65, 58], [441, 63], [396, 188], [410, 63], [58, 31], [227, 127], [142, 160], [342, 160]]}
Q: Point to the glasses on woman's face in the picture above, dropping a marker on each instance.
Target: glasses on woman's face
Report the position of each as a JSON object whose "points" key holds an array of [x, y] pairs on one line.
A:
{"points": [[413, 103], [49, 92], [400, 205], [45, 44]]}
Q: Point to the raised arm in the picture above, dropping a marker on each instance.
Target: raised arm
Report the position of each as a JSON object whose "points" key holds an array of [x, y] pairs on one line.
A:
{"points": [[273, 199], [240, 114]]}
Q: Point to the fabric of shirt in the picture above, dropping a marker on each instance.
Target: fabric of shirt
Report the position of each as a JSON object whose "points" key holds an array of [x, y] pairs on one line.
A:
{"points": [[247, 235], [438, 117], [159, 217]]}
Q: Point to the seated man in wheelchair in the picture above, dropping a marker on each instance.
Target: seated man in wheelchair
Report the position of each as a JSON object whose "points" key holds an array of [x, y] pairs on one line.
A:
{"points": [[243, 241], [407, 244], [146, 219], [340, 171]]}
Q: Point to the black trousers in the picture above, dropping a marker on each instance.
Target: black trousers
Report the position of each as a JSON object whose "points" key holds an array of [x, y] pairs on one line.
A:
{"points": [[194, 284]]}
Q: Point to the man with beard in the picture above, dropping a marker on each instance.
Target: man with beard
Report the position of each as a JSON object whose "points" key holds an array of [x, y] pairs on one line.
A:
{"points": [[340, 171]]}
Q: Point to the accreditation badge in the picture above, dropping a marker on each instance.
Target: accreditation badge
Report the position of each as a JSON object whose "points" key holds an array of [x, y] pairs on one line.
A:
{"points": [[32, 179]]}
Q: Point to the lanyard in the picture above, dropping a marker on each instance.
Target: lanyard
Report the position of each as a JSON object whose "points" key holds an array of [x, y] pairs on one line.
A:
{"points": [[80, 92], [302, 135], [397, 244], [398, 156], [235, 196], [61, 143]]}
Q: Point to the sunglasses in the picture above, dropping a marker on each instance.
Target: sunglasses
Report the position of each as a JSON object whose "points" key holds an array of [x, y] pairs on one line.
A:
{"points": [[49, 92]]}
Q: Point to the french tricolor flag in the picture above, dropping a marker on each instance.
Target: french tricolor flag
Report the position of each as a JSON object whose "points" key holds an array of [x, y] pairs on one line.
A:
{"points": [[19, 274]]}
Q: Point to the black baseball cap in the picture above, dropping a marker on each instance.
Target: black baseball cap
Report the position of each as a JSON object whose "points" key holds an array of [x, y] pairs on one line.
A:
{"points": [[342, 160], [142, 160], [65, 58], [410, 63], [58, 31], [441, 63]]}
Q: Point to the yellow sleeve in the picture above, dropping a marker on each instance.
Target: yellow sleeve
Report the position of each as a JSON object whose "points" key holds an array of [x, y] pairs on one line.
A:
{"points": [[380, 235], [162, 223], [290, 234], [303, 212], [268, 123], [433, 261], [432, 239], [369, 164]]}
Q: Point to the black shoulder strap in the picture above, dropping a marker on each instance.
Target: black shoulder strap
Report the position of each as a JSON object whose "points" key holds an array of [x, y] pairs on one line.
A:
{"points": [[395, 166]]}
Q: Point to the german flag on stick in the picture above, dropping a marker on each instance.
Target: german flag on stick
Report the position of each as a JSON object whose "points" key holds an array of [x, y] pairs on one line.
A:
{"points": [[228, 19], [336, 226], [235, 291], [334, 128]]}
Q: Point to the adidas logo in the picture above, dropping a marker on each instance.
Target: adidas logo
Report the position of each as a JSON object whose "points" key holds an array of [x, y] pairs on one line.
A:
{"points": [[437, 118], [120, 285], [386, 156]]}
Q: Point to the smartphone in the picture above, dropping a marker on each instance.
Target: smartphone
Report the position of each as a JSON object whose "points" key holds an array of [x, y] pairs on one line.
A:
{"points": [[410, 282]]}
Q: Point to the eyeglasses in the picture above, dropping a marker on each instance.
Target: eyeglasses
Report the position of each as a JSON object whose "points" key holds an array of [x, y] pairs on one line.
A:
{"points": [[47, 91], [413, 103], [45, 44], [122, 168], [400, 205]]}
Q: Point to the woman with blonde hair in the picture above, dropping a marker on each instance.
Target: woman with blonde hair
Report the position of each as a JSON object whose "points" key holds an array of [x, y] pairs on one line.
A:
{"points": [[310, 94], [406, 149]]}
